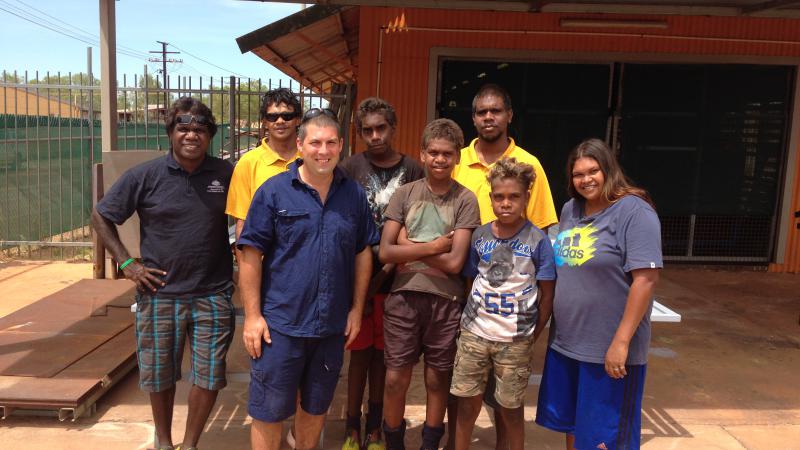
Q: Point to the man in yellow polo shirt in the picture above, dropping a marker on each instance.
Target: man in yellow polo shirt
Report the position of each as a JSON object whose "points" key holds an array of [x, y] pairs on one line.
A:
{"points": [[280, 115], [491, 114]]}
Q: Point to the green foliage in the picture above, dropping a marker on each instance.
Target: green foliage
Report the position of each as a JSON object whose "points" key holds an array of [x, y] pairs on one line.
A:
{"points": [[136, 101], [59, 87], [247, 106]]}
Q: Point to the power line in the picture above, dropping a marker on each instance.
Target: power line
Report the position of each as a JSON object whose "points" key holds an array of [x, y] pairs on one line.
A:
{"points": [[193, 68], [164, 60], [78, 38], [88, 38], [210, 63], [45, 26], [29, 14], [32, 18], [81, 30]]}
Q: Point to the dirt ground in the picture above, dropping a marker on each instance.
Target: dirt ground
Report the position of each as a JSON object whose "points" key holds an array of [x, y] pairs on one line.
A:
{"points": [[726, 377]]}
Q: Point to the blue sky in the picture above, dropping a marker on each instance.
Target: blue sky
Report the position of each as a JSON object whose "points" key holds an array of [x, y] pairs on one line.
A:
{"points": [[206, 29]]}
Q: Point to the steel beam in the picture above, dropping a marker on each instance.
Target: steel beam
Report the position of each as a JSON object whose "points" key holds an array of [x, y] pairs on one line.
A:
{"points": [[765, 6]]}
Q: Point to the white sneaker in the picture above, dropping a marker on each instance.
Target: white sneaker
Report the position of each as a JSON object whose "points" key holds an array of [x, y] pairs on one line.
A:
{"points": [[290, 438]]}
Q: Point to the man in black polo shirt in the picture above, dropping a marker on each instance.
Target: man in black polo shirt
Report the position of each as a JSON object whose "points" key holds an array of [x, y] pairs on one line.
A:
{"points": [[184, 276]]}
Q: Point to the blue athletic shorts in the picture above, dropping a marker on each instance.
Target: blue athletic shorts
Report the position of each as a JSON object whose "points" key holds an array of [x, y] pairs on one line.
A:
{"points": [[579, 398], [290, 363]]}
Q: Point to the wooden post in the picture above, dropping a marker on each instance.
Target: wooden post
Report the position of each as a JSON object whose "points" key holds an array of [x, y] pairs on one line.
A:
{"points": [[108, 75], [99, 249]]}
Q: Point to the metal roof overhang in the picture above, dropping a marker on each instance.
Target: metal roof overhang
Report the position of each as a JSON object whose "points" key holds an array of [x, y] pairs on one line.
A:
{"points": [[758, 8], [318, 46]]}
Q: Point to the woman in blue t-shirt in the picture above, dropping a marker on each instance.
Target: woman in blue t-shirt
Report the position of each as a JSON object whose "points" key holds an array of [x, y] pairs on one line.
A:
{"points": [[608, 256]]}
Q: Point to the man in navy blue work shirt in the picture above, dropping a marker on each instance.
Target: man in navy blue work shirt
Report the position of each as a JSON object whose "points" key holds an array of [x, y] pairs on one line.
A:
{"points": [[184, 276], [314, 229]]}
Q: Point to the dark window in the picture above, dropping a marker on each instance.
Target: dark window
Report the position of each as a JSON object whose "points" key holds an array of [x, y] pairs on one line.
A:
{"points": [[555, 106], [707, 141]]}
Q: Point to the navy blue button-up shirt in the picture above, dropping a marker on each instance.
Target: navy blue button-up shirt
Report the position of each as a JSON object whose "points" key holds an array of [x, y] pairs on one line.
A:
{"points": [[309, 251]]}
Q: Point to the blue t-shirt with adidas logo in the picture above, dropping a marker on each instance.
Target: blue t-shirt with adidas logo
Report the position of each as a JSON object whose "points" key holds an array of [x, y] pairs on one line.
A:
{"points": [[594, 258]]}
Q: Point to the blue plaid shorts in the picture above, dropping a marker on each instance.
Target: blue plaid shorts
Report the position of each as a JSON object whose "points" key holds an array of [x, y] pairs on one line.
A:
{"points": [[162, 328]]}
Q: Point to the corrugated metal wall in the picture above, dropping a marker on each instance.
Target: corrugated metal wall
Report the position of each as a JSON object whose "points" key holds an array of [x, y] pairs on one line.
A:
{"points": [[404, 59], [791, 261]]}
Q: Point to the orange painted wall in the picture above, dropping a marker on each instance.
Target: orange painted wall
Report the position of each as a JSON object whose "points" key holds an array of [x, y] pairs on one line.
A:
{"points": [[791, 262], [405, 55]]}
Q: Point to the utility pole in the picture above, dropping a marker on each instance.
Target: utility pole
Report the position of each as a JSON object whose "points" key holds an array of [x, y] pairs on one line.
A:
{"points": [[164, 62]]}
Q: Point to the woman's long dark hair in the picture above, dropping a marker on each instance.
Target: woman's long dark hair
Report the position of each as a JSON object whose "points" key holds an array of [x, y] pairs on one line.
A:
{"points": [[616, 185]]}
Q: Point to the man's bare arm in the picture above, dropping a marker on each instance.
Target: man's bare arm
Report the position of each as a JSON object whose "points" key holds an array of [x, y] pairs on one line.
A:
{"points": [[146, 278], [239, 227]]}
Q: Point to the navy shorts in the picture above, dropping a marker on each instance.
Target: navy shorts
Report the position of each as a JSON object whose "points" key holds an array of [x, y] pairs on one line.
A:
{"points": [[289, 364], [579, 398]]}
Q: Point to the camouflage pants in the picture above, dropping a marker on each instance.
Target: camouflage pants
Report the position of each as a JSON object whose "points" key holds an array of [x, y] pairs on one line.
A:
{"points": [[477, 356]]}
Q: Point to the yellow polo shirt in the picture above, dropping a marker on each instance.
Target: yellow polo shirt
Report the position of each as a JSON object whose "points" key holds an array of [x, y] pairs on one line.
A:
{"points": [[253, 169], [471, 172]]}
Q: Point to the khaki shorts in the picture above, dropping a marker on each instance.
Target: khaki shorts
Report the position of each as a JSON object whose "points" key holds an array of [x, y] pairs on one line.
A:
{"points": [[477, 356]]}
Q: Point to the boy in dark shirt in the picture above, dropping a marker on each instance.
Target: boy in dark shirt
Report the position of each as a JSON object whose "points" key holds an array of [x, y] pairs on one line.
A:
{"points": [[380, 171]]}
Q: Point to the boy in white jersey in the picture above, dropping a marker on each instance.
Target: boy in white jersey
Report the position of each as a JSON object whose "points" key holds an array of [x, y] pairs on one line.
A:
{"points": [[510, 302]]}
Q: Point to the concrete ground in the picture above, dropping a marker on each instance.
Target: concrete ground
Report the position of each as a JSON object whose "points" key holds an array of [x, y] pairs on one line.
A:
{"points": [[726, 377]]}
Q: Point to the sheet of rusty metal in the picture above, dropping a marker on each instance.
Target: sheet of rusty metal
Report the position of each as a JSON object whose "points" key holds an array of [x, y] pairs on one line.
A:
{"points": [[68, 382]]}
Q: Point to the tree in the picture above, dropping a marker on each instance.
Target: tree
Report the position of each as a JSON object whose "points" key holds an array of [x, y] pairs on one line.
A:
{"points": [[9, 77], [65, 88], [147, 91]]}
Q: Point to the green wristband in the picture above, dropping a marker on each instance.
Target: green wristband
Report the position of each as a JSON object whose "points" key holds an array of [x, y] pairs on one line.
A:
{"points": [[125, 264]]}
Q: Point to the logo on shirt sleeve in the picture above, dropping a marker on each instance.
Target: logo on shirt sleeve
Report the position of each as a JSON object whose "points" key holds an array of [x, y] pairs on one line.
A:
{"points": [[575, 246], [215, 187]]}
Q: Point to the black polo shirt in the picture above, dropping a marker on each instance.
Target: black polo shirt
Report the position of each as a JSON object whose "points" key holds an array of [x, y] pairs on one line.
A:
{"points": [[183, 224]]}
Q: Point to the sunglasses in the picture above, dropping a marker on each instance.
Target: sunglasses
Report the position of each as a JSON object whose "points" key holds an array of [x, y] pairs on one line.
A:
{"points": [[286, 116], [314, 112], [186, 119]]}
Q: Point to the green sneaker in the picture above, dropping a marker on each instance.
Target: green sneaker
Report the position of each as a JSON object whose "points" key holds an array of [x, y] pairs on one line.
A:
{"points": [[350, 444], [376, 445], [373, 441]]}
